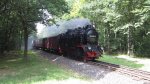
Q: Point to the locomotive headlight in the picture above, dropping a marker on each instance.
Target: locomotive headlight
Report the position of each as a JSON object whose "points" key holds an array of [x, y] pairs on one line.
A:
{"points": [[89, 47]]}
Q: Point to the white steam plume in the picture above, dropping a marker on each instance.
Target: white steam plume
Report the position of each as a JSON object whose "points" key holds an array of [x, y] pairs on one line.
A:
{"points": [[62, 27]]}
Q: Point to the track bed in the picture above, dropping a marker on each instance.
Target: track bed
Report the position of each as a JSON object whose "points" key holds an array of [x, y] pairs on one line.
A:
{"points": [[101, 73]]}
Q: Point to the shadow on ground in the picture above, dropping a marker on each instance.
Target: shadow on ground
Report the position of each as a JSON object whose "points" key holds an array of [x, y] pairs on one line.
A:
{"points": [[15, 70]]}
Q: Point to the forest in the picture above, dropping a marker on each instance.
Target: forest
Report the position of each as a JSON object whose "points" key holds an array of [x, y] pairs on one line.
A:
{"points": [[123, 25]]}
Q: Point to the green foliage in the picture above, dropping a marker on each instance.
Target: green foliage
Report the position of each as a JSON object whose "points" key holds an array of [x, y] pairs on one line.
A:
{"points": [[134, 15], [75, 7], [123, 24], [18, 19]]}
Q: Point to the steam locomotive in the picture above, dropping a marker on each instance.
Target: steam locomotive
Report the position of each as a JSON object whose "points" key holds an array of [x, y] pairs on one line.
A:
{"points": [[79, 43]]}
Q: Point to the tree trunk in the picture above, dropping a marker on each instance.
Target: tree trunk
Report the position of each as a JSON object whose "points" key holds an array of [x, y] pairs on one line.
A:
{"points": [[25, 43], [105, 39], [1, 50], [108, 40], [129, 42]]}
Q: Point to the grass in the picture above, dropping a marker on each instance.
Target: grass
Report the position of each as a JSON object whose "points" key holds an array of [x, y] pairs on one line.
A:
{"points": [[17, 71], [120, 61]]}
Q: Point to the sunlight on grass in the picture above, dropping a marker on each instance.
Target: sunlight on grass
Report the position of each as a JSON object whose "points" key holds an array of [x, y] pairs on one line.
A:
{"points": [[66, 81], [120, 61], [14, 71], [13, 60]]}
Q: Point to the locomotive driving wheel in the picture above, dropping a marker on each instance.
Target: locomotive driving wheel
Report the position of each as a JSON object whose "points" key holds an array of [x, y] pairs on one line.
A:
{"points": [[79, 54], [93, 59], [84, 59], [65, 54]]}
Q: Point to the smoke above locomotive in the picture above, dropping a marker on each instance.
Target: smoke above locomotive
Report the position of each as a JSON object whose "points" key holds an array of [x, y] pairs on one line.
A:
{"points": [[63, 26]]}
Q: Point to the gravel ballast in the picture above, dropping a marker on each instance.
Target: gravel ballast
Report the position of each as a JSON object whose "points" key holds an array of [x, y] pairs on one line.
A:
{"points": [[99, 75]]}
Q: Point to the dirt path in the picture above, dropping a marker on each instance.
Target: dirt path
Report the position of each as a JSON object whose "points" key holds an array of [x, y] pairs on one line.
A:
{"points": [[144, 61]]}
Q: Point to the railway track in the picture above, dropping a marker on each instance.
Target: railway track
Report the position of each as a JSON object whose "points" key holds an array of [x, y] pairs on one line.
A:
{"points": [[135, 73]]}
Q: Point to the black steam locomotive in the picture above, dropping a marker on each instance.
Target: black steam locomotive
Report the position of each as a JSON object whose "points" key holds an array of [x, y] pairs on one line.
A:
{"points": [[81, 43], [78, 43]]}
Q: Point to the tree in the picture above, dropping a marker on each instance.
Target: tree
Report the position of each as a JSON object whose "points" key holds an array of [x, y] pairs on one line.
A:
{"points": [[129, 19], [123, 24], [25, 13], [75, 7], [29, 13], [101, 12]]}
